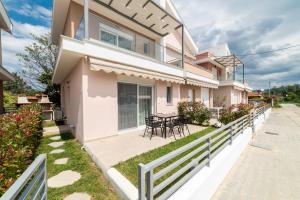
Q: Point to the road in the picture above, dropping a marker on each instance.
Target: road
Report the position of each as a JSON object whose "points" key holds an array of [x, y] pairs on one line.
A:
{"points": [[269, 168]]}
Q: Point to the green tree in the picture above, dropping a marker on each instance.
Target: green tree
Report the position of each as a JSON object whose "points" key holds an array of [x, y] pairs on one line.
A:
{"points": [[18, 86], [38, 63]]}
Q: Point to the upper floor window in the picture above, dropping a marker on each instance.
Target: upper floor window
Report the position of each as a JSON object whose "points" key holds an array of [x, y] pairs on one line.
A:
{"points": [[116, 37], [79, 35]]}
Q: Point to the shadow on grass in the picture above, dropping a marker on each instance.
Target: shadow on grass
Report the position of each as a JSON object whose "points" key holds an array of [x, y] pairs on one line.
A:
{"points": [[67, 136]]}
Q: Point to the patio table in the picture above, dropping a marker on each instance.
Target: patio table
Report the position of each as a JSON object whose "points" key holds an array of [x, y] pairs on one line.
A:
{"points": [[165, 118]]}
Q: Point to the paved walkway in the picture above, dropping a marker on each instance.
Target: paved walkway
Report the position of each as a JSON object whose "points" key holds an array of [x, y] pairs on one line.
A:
{"points": [[269, 168], [112, 150]]}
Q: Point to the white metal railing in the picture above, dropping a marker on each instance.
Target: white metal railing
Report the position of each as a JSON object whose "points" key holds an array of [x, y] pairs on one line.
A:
{"points": [[160, 178], [32, 184]]}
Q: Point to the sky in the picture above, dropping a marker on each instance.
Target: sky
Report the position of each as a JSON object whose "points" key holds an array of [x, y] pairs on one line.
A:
{"points": [[248, 26]]}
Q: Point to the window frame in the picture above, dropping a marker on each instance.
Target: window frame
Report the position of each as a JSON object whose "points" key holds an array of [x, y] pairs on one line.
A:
{"points": [[169, 95]]}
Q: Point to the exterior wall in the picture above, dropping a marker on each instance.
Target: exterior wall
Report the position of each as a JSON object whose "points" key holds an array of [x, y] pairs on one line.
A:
{"points": [[211, 98], [74, 17], [198, 70], [1, 97], [161, 97], [184, 92], [222, 96], [73, 99], [100, 104]]}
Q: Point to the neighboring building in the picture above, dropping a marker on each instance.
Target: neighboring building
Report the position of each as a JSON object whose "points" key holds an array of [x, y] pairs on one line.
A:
{"points": [[6, 25], [120, 61], [43, 100], [222, 64]]}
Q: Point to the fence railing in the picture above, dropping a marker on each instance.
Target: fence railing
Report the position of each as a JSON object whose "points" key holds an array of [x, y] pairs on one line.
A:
{"points": [[32, 184], [160, 178]]}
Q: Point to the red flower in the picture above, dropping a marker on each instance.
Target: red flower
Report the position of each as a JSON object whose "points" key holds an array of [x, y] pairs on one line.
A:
{"points": [[18, 118]]}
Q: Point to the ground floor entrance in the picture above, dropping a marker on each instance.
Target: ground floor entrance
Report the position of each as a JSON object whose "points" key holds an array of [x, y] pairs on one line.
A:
{"points": [[135, 102]]}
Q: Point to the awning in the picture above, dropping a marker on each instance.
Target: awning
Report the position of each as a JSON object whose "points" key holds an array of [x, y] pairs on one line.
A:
{"points": [[229, 61], [146, 13], [201, 84], [5, 75], [110, 67]]}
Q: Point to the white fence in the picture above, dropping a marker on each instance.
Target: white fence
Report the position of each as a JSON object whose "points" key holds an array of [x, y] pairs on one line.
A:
{"points": [[32, 184]]}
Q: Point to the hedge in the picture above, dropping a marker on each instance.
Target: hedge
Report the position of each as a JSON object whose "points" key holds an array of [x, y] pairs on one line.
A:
{"points": [[234, 112], [196, 112], [20, 135]]}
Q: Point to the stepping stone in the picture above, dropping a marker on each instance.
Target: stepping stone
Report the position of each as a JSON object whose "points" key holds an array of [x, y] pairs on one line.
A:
{"points": [[55, 138], [56, 144], [77, 196], [61, 161], [56, 151], [64, 178]]}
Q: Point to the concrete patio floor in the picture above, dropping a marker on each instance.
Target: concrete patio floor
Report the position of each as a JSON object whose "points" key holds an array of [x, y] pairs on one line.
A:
{"points": [[108, 152]]}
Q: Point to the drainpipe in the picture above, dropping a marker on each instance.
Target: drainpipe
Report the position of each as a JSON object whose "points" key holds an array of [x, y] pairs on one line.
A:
{"points": [[182, 45]]}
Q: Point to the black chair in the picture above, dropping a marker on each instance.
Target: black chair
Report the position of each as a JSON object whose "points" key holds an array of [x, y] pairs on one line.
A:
{"points": [[172, 124], [153, 124], [184, 120]]}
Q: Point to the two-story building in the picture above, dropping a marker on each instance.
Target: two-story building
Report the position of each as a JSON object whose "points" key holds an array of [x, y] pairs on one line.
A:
{"points": [[120, 61], [5, 25], [223, 65]]}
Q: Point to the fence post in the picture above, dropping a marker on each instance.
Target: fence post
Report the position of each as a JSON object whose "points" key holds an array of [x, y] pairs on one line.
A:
{"points": [[208, 148], [45, 179], [141, 180], [149, 178]]}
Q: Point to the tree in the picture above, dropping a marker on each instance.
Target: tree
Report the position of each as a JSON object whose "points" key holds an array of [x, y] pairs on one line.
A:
{"points": [[38, 64], [18, 86]]}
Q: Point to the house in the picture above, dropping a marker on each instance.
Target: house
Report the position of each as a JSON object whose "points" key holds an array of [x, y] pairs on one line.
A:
{"points": [[41, 99], [5, 25], [223, 66], [120, 61]]}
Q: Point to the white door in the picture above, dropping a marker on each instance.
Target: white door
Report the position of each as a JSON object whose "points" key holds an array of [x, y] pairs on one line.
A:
{"points": [[205, 96]]}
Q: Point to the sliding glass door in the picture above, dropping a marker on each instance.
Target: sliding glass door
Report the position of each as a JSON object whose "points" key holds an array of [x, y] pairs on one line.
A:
{"points": [[127, 105], [134, 104], [145, 103]]}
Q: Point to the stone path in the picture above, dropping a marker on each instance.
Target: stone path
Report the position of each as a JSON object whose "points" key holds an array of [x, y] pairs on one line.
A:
{"points": [[67, 177], [64, 178], [56, 144], [61, 161], [56, 151], [78, 196]]}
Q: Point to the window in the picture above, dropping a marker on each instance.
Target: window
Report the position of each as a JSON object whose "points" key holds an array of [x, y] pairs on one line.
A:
{"points": [[146, 48], [116, 37], [80, 30], [169, 94]]}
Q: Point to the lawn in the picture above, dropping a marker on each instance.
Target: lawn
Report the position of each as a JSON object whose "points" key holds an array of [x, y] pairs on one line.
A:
{"points": [[92, 180], [129, 168], [48, 124]]}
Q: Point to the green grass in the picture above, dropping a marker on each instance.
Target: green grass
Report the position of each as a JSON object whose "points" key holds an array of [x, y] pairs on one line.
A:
{"points": [[298, 104], [48, 124], [129, 168], [92, 180]]}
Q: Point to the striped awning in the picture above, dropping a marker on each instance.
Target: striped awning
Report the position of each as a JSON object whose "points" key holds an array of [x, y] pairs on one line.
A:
{"points": [[201, 83], [146, 13], [96, 64]]}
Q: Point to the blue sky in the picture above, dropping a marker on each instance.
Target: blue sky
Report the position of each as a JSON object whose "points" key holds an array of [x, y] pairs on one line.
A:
{"points": [[247, 26]]}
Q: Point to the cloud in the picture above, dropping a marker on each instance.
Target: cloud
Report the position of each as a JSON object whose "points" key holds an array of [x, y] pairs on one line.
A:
{"points": [[250, 27]]}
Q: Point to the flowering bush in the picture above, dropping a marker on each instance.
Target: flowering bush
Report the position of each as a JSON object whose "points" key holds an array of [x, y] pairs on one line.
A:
{"points": [[196, 112], [234, 112], [20, 135]]}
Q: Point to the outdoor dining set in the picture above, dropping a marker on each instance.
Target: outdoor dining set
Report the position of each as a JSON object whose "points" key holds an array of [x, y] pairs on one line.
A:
{"points": [[167, 123]]}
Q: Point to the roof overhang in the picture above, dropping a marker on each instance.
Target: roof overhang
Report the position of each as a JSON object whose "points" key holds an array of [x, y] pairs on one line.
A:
{"points": [[5, 22], [229, 61], [5, 75], [194, 79], [209, 60], [236, 85], [72, 50]]}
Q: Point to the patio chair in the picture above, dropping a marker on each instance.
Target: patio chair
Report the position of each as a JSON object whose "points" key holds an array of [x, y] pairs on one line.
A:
{"points": [[172, 124], [153, 124], [184, 123]]}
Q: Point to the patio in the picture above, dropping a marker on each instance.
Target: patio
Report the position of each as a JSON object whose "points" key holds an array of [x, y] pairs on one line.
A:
{"points": [[108, 152]]}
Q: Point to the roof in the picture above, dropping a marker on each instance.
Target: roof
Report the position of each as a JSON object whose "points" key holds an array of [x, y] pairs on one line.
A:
{"points": [[219, 50], [254, 94], [5, 22], [5, 75]]}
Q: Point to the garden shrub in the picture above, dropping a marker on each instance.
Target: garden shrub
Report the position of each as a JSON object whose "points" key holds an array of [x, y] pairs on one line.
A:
{"points": [[234, 112], [20, 135], [196, 112]]}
